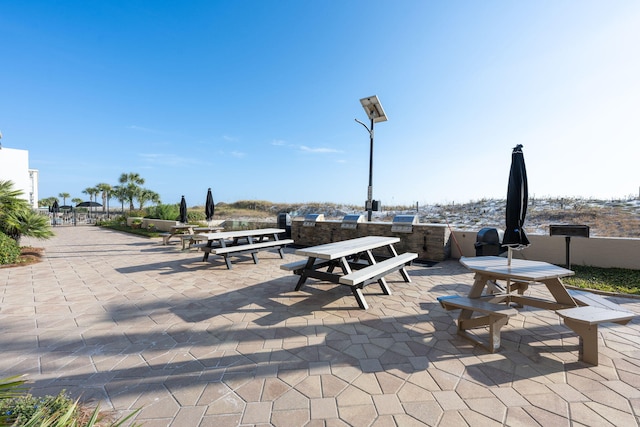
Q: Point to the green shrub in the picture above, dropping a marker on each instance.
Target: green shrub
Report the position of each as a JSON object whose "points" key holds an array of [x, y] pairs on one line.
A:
{"points": [[9, 250], [137, 213], [195, 216], [24, 408], [20, 409], [167, 212]]}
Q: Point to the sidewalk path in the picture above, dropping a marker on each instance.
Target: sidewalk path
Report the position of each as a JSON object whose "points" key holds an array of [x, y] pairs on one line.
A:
{"points": [[124, 321]]}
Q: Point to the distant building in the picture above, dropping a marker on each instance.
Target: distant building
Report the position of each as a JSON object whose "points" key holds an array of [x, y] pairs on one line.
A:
{"points": [[14, 167]]}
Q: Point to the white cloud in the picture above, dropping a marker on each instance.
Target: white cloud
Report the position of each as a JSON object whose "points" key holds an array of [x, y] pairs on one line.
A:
{"points": [[317, 150]]}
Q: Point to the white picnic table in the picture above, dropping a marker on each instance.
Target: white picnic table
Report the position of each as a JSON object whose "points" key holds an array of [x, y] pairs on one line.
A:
{"points": [[351, 263], [228, 243]]}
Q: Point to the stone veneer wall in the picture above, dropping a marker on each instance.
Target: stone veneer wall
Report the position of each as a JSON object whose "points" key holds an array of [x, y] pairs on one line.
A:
{"points": [[430, 241]]}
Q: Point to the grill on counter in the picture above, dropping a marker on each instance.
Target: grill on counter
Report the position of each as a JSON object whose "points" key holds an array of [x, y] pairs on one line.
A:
{"points": [[351, 221], [403, 223], [310, 219]]}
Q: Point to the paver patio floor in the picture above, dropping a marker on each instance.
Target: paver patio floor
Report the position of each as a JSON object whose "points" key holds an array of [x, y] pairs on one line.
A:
{"points": [[129, 323]]}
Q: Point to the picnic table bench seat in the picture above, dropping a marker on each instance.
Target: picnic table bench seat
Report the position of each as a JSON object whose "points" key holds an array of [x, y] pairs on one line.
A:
{"points": [[495, 316], [584, 320], [375, 273], [252, 248]]}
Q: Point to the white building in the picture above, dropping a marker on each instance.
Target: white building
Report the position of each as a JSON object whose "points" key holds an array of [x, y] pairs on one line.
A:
{"points": [[14, 167]]}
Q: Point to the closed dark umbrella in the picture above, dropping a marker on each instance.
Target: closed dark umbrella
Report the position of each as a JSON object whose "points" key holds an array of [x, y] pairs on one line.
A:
{"points": [[517, 198], [209, 207], [54, 210], [183, 211]]}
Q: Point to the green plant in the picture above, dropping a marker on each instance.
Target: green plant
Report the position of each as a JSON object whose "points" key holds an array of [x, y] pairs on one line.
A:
{"points": [[9, 249], [195, 216], [166, 212], [19, 409], [23, 408], [135, 213], [16, 217]]}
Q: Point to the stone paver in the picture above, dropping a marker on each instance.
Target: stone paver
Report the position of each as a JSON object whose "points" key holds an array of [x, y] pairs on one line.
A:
{"points": [[126, 322]]}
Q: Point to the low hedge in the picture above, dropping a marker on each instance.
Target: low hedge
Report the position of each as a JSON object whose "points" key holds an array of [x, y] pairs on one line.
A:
{"points": [[9, 250]]}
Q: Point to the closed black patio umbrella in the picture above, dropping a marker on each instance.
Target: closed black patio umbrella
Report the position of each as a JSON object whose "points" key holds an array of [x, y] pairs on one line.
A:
{"points": [[209, 207], [517, 199], [183, 211], [54, 209]]}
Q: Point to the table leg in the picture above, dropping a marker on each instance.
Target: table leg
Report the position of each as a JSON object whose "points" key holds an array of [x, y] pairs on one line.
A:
{"points": [[206, 252], [480, 281], [303, 273], [559, 292]]}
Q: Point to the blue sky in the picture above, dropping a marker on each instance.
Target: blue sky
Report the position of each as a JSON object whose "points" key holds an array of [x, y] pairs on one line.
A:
{"points": [[257, 99]]}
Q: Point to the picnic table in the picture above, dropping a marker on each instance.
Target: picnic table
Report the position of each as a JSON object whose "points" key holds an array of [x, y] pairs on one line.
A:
{"points": [[188, 233], [351, 263], [487, 297], [177, 230], [234, 243]]}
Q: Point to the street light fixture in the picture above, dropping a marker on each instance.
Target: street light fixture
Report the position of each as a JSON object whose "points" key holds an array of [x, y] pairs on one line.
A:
{"points": [[376, 114]]}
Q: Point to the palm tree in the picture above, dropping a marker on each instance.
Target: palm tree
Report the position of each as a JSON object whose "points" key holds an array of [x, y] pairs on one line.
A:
{"points": [[146, 195], [76, 200], [47, 202], [64, 197], [131, 182], [17, 219], [119, 192], [92, 192], [106, 192]]}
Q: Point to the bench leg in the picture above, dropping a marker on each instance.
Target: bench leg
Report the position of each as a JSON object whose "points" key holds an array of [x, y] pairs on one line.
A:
{"points": [[405, 275], [357, 292], [494, 332], [588, 334], [254, 255], [495, 323], [384, 286], [227, 261]]}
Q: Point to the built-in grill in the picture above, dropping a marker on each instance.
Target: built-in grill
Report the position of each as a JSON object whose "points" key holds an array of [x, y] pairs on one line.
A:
{"points": [[311, 219], [351, 221], [403, 223]]}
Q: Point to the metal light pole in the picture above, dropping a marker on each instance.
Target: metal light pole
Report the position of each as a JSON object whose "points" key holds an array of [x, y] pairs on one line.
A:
{"points": [[374, 111]]}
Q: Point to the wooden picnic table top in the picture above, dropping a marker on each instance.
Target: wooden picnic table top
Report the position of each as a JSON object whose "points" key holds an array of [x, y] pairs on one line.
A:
{"points": [[520, 269], [344, 248]]}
